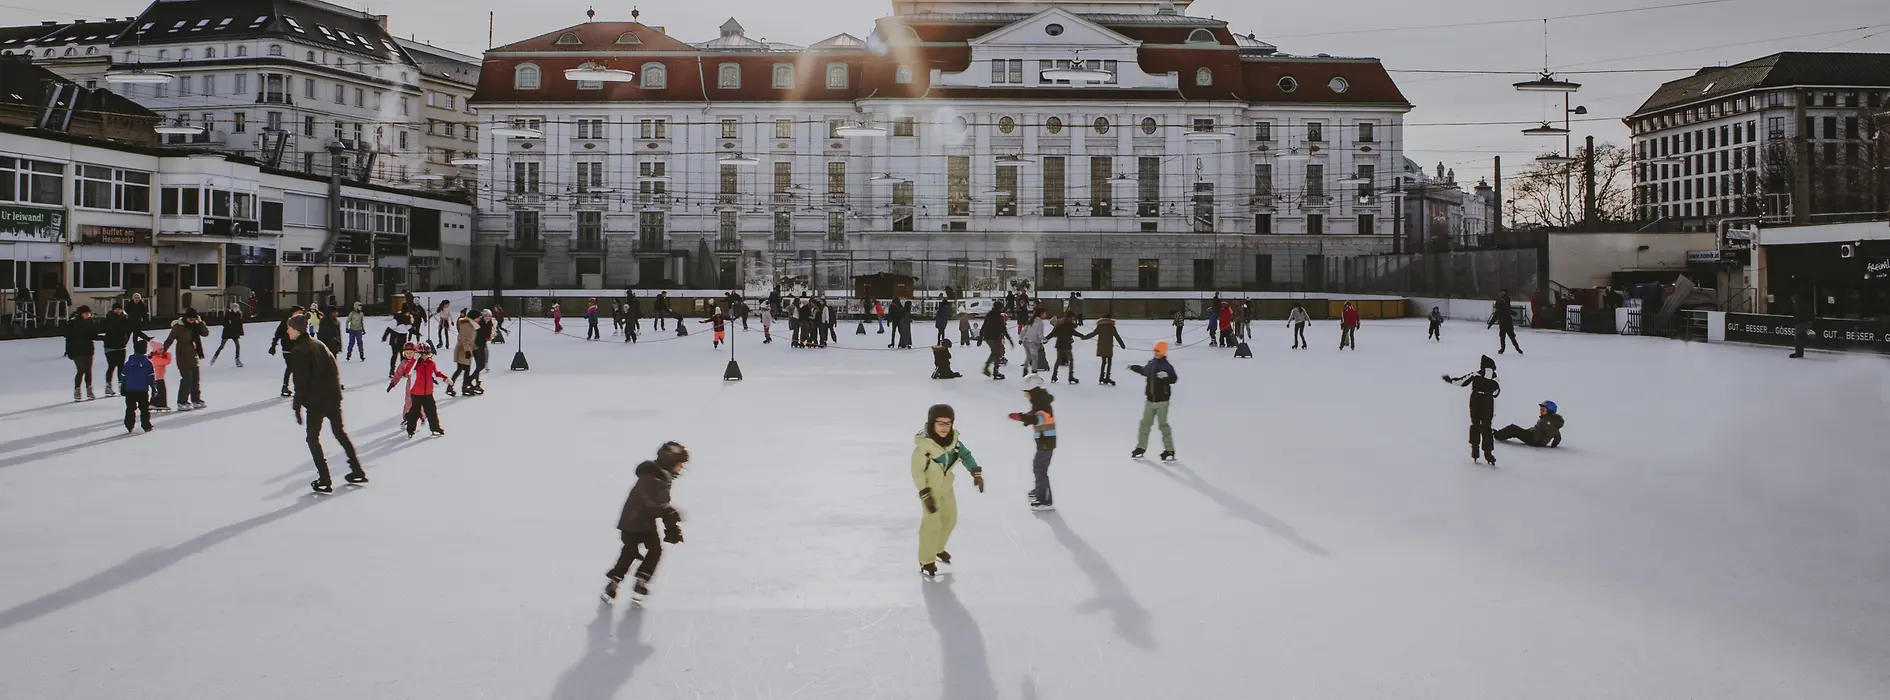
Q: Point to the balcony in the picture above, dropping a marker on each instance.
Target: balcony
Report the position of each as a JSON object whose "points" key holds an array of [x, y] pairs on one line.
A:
{"points": [[651, 244], [588, 244], [781, 245], [1318, 200], [274, 97], [836, 244], [728, 244], [525, 244]]}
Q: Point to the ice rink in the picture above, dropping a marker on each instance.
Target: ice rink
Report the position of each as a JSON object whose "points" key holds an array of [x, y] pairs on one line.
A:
{"points": [[1716, 525]]}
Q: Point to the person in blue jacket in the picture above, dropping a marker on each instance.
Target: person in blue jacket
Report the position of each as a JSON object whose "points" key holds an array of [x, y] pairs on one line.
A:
{"points": [[1437, 324], [136, 376]]}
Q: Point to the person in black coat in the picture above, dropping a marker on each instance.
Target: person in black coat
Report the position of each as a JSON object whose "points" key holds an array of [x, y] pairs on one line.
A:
{"points": [[1483, 392], [662, 308], [1801, 318], [318, 393], [138, 311], [81, 332], [996, 334], [281, 338], [1503, 316], [232, 334], [116, 330], [647, 503], [330, 331]]}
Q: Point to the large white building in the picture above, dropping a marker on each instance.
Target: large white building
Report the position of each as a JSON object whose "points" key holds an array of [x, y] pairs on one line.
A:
{"points": [[1197, 159]]}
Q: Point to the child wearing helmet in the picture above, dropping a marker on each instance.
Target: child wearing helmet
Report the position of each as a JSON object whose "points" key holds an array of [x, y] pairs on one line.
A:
{"points": [[1547, 432], [421, 371], [1042, 421]]}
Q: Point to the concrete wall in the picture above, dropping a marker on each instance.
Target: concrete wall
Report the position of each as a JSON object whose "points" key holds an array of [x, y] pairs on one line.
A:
{"points": [[1590, 259]]}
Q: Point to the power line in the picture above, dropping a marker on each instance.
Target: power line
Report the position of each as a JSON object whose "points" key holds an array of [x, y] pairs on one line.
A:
{"points": [[1495, 22]]}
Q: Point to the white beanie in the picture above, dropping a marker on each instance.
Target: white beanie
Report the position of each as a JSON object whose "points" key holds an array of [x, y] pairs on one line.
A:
{"points": [[1033, 380]]}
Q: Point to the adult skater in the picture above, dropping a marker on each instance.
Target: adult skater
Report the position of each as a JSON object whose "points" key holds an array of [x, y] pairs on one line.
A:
{"points": [[590, 322], [632, 319], [1437, 325], [647, 503], [897, 316], [942, 315], [937, 449], [1181, 319], [996, 335], [1064, 335], [1107, 339], [1032, 337], [357, 332], [662, 309], [496, 318], [463, 350], [1245, 319], [187, 334], [318, 392], [942, 360], [767, 323], [1348, 327], [1297, 320], [443, 323], [395, 335], [1157, 389], [137, 377], [116, 330], [1483, 392], [81, 333], [1075, 307], [1503, 316], [1547, 432], [482, 339], [832, 315], [1801, 322], [420, 392], [329, 332], [1042, 421], [1227, 324], [138, 311], [741, 312], [233, 335]]}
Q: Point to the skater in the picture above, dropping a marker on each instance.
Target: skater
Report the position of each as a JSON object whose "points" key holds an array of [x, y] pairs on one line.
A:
{"points": [[719, 319], [662, 309], [590, 322], [160, 364], [1065, 335], [936, 450], [1227, 324], [897, 315], [942, 315], [767, 324], [443, 323], [964, 328], [1031, 337], [804, 324], [831, 314], [81, 333], [1042, 421], [329, 332], [1158, 389], [557, 320], [357, 332], [497, 321], [1503, 316], [138, 311], [482, 339], [1181, 320], [942, 360], [632, 318], [616, 318], [1348, 327], [396, 338], [318, 391], [187, 336], [116, 330], [420, 392], [1547, 432], [463, 348], [996, 335], [1437, 325], [879, 314], [1075, 308], [1483, 392], [233, 335], [647, 503], [1107, 340], [1245, 319], [741, 312], [1801, 321], [416, 322], [137, 377], [1297, 320]]}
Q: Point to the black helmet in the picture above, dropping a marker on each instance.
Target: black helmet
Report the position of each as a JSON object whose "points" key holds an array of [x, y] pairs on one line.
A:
{"points": [[671, 454]]}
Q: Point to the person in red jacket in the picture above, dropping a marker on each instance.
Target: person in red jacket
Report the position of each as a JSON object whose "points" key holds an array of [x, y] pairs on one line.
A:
{"points": [[718, 318], [420, 392], [1348, 325], [1227, 325]]}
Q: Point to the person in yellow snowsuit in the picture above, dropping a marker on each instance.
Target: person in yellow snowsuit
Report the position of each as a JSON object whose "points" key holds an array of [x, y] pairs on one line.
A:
{"points": [[936, 450]]}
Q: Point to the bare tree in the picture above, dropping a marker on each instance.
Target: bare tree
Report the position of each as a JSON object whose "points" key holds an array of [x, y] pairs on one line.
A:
{"points": [[1550, 194]]}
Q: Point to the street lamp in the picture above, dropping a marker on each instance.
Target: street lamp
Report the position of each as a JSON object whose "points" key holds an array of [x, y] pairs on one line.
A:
{"points": [[1076, 72], [1012, 159], [1547, 82], [859, 130], [138, 76], [465, 161], [738, 160], [517, 132], [1545, 130], [596, 74]]}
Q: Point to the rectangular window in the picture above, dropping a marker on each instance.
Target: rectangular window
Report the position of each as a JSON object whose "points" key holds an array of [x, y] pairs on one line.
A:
{"points": [[727, 226], [1044, 65], [1006, 179], [1365, 132], [958, 185], [1102, 273], [783, 225], [902, 206], [274, 120], [525, 225], [94, 188], [1203, 218], [1017, 71], [1315, 131], [783, 176], [833, 127], [239, 122], [729, 183], [1366, 222], [308, 127], [1203, 273], [1262, 179], [1263, 224], [1316, 180], [1315, 224], [836, 225], [308, 88], [1263, 271], [526, 176], [731, 128], [998, 74], [1148, 186], [1263, 131], [341, 94], [241, 81], [837, 181], [446, 129], [653, 128], [650, 225], [903, 126], [1053, 185], [590, 176], [450, 100], [1052, 274], [183, 86], [1101, 190], [1148, 273], [784, 128], [587, 128], [1367, 175]]}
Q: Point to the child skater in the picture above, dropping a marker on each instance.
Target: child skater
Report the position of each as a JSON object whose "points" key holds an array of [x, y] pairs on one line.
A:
{"points": [[937, 449], [717, 318], [557, 319], [137, 376], [1437, 325], [767, 324], [942, 360], [648, 502], [421, 373], [160, 361], [396, 338], [1483, 393], [1042, 422]]}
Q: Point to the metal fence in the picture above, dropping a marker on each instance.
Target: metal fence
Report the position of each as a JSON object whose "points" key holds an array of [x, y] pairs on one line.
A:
{"points": [[1478, 274]]}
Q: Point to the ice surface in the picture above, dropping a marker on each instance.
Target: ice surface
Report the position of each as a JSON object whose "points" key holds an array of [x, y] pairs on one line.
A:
{"points": [[1714, 527]]}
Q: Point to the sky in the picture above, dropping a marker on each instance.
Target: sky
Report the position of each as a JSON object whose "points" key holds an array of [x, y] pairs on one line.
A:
{"points": [[1439, 35]]}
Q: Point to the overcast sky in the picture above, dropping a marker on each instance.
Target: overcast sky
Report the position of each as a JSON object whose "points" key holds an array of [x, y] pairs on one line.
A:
{"points": [[1442, 35]]}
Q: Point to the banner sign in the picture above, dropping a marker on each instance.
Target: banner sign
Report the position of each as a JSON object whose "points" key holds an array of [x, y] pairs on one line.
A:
{"points": [[1877, 269], [30, 223], [1702, 256], [1824, 333], [114, 235]]}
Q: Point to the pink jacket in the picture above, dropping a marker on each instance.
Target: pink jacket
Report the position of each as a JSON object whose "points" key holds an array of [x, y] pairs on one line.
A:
{"points": [[424, 371], [160, 359]]}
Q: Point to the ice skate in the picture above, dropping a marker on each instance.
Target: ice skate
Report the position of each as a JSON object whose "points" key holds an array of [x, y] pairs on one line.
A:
{"points": [[610, 590], [75, 395], [438, 432], [639, 592], [286, 393], [1168, 456], [929, 571], [109, 391], [89, 396], [1073, 379], [1489, 458], [183, 406], [1137, 453], [356, 477], [322, 486], [450, 392], [1475, 456], [945, 558], [197, 405], [239, 363], [1040, 507], [147, 427]]}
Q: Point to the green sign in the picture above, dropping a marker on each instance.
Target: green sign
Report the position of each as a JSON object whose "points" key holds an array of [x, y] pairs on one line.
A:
{"points": [[29, 223]]}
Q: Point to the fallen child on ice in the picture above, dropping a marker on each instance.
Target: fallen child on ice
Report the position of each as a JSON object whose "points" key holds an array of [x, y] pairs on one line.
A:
{"points": [[1547, 432]]}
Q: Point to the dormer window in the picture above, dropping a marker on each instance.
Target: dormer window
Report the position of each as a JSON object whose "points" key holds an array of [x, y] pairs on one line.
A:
{"points": [[569, 39], [275, 49], [628, 38], [1204, 76], [184, 55], [1007, 71], [655, 76], [242, 51], [525, 77], [836, 76], [210, 52], [784, 76], [728, 76], [1202, 36]]}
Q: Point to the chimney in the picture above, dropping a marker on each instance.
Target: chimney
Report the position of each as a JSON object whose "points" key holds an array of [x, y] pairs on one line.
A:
{"points": [[381, 20]]}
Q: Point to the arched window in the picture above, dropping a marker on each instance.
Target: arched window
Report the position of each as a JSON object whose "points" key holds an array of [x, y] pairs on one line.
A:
{"points": [[242, 51], [184, 55], [628, 38], [902, 75], [1202, 36], [309, 57], [91, 50], [209, 52], [655, 76], [1204, 76], [836, 76], [569, 39], [275, 49], [784, 76], [728, 76], [163, 55], [525, 77], [71, 51]]}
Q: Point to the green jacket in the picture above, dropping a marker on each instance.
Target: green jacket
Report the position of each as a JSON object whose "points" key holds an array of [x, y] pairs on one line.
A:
{"points": [[932, 464], [357, 322]]}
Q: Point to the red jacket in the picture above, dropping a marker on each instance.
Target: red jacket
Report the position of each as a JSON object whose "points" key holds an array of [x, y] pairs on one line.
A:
{"points": [[424, 372], [1349, 318], [1227, 317]]}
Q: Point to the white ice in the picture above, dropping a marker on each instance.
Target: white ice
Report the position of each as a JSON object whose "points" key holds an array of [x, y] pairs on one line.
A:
{"points": [[1715, 527]]}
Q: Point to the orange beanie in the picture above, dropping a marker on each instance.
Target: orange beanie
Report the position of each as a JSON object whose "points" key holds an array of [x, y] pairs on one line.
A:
{"points": [[1161, 348]]}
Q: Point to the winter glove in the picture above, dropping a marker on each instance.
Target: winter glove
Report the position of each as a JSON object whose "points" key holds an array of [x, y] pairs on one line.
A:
{"points": [[977, 479], [674, 536], [390, 387], [931, 506], [272, 350], [1017, 417]]}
